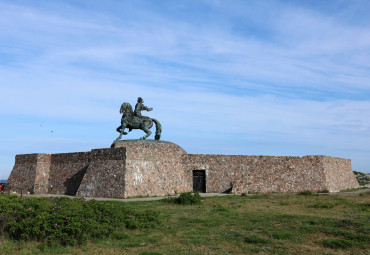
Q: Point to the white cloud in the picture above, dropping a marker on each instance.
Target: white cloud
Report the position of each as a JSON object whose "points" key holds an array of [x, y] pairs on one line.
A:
{"points": [[283, 76]]}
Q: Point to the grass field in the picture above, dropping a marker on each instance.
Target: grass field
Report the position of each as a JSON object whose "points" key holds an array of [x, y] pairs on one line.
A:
{"points": [[253, 224]]}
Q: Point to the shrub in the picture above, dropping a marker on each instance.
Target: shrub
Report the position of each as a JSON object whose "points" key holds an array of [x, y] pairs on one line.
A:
{"points": [[325, 191], [188, 198], [307, 193], [65, 221], [363, 179], [358, 173], [170, 199]]}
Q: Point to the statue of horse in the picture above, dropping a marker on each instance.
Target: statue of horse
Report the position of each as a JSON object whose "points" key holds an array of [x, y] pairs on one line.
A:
{"points": [[130, 121]]}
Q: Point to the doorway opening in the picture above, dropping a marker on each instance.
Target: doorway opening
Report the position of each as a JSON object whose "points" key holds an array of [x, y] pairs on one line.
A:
{"points": [[199, 181]]}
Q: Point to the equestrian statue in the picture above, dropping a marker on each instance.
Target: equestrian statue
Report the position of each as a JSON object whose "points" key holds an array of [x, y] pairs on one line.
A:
{"points": [[134, 120]]}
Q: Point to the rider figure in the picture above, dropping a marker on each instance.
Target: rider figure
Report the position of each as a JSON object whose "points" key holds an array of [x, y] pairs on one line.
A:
{"points": [[140, 107]]}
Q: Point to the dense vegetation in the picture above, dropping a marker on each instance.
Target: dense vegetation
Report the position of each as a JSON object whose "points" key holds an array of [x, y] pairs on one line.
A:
{"points": [[187, 198], [363, 179], [66, 221], [248, 224]]}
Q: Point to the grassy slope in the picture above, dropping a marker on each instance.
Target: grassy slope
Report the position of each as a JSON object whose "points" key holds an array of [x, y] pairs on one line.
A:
{"points": [[259, 224]]}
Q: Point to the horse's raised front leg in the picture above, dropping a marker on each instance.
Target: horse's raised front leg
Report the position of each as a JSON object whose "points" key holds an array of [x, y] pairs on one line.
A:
{"points": [[120, 129]]}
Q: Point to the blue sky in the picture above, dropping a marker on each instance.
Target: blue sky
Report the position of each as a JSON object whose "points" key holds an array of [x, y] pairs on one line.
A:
{"points": [[223, 77]]}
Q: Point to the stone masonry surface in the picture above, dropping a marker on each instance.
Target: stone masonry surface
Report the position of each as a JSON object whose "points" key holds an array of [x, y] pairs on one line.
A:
{"points": [[105, 175], [23, 175], [42, 174], [154, 168], [263, 174], [136, 168], [67, 171], [336, 178]]}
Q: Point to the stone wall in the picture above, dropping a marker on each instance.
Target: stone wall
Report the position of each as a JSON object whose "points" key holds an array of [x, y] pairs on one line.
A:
{"points": [[339, 174], [42, 174], [67, 171], [105, 175], [263, 174], [30, 174], [154, 168], [136, 168]]}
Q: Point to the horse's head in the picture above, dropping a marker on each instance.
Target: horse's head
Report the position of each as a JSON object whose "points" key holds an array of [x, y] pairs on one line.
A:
{"points": [[126, 108]]}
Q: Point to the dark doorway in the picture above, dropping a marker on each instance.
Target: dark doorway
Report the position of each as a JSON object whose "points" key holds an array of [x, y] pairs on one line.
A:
{"points": [[199, 181]]}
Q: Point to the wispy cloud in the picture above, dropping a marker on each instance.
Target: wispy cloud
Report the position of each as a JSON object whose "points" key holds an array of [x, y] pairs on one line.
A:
{"points": [[269, 73]]}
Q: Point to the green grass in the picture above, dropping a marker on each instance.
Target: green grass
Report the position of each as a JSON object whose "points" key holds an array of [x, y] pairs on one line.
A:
{"points": [[256, 240], [326, 205], [353, 189], [151, 253], [339, 243], [253, 224]]}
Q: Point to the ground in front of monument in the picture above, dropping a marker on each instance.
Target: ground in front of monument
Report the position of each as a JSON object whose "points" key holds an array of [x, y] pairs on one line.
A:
{"points": [[303, 223]]}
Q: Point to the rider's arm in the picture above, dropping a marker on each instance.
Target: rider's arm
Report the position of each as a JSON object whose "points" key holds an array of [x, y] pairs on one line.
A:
{"points": [[146, 108]]}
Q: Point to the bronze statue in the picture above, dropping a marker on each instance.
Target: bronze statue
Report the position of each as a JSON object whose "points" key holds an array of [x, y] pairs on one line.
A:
{"points": [[134, 120], [140, 107]]}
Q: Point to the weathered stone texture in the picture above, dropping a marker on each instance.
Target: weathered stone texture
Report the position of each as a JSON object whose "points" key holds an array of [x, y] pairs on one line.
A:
{"points": [[135, 168], [42, 174], [67, 171], [105, 175], [339, 174], [30, 174], [154, 168], [264, 174]]}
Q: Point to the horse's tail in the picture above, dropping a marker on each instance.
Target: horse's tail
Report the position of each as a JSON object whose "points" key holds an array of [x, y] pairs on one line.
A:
{"points": [[158, 129]]}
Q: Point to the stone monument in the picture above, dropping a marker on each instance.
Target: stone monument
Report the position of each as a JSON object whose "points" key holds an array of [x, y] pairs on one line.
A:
{"points": [[152, 167]]}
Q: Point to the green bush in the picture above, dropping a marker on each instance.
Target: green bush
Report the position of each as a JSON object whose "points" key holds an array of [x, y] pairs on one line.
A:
{"points": [[65, 221], [358, 173], [188, 198], [324, 191], [307, 193]]}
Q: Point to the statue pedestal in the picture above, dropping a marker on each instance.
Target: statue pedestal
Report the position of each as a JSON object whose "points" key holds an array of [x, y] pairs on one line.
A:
{"points": [[151, 167], [154, 167]]}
